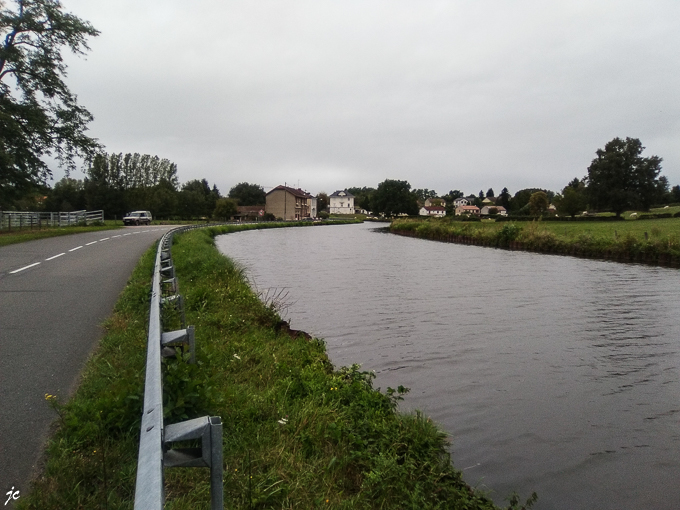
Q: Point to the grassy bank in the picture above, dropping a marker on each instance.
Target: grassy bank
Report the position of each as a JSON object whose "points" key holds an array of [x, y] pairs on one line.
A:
{"points": [[649, 241], [21, 236], [298, 433]]}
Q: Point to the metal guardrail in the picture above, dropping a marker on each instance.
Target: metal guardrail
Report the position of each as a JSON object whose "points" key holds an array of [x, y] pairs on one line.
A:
{"points": [[155, 452], [30, 219]]}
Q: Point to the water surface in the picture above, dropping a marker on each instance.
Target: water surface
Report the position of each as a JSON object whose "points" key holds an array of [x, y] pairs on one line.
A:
{"points": [[550, 373]]}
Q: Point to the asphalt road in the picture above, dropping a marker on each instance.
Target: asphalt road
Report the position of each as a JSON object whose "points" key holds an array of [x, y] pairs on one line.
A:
{"points": [[54, 294]]}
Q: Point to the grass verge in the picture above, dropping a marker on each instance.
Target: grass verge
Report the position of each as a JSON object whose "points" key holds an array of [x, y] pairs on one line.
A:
{"points": [[21, 236], [298, 433], [655, 242]]}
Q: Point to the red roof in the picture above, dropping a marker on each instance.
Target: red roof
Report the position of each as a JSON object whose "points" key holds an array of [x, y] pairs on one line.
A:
{"points": [[434, 208]]}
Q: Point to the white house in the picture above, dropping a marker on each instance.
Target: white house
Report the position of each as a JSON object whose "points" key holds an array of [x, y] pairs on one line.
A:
{"points": [[433, 210], [460, 201], [341, 202]]}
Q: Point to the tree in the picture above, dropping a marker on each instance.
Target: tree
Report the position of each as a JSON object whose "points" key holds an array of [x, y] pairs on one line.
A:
{"points": [[619, 178], [248, 194], [225, 208], [67, 195], [538, 203], [489, 193], [504, 198], [322, 201], [394, 197], [572, 200], [424, 194], [39, 115], [362, 197]]}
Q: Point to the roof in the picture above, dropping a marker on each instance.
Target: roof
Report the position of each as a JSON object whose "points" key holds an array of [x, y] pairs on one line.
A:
{"points": [[296, 192], [434, 208], [249, 208], [345, 194], [468, 207]]}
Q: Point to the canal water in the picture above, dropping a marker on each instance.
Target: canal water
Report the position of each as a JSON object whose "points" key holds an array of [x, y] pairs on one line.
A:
{"points": [[551, 374]]}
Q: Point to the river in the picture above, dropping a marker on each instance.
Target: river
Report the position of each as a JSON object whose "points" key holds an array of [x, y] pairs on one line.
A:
{"points": [[550, 373]]}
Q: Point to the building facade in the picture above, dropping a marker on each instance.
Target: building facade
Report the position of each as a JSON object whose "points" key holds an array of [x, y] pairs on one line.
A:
{"points": [[288, 203], [341, 202]]}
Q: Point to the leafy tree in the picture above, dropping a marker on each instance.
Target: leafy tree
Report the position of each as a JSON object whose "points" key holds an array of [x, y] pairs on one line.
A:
{"points": [[489, 193], [453, 194], [424, 194], [538, 203], [67, 195], [572, 200], [675, 193], [248, 194], [394, 197], [225, 208], [322, 201], [39, 115], [619, 178], [521, 199], [504, 198], [362, 197], [481, 195]]}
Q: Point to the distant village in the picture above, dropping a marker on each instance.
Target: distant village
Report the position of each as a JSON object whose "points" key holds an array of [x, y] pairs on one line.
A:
{"points": [[286, 203]]}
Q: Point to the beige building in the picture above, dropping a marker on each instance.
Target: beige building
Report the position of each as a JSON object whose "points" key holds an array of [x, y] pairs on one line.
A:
{"points": [[288, 203]]}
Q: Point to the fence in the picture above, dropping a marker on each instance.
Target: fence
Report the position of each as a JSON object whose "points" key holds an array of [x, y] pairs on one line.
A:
{"points": [[18, 220], [155, 440]]}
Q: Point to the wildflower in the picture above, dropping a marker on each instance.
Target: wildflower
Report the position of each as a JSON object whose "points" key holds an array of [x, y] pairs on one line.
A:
{"points": [[237, 356], [283, 421]]}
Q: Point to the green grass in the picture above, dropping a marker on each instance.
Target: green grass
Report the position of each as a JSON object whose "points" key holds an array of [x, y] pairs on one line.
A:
{"points": [[654, 241], [298, 433], [21, 236]]}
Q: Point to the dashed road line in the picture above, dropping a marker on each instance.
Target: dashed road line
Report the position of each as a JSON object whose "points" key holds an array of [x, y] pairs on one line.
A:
{"points": [[93, 242], [105, 239], [76, 248], [25, 267], [116, 236], [55, 256]]}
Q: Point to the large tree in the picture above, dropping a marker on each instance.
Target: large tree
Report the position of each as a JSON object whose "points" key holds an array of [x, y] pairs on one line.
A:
{"points": [[39, 115], [248, 194], [394, 197], [619, 178]]}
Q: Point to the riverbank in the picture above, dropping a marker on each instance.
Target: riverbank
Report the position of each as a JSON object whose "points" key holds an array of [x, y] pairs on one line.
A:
{"points": [[297, 432], [654, 242]]}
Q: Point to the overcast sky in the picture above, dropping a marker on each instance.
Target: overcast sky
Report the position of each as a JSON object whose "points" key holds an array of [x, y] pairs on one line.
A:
{"points": [[445, 94]]}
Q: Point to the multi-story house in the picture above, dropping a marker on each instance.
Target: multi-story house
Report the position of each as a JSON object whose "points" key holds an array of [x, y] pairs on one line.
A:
{"points": [[341, 202], [289, 203]]}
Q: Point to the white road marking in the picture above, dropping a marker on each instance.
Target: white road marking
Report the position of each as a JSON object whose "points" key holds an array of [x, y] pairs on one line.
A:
{"points": [[76, 248], [136, 232], [127, 234], [105, 239], [25, 267], [117, 236], [93, 242], [52, 258]]}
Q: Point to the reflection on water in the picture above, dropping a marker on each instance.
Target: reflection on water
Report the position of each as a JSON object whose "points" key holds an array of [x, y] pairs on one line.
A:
{"points": [[554, 374]]}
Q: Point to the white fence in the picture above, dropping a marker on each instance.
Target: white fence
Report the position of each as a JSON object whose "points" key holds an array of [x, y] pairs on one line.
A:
{"points": [[13, 219]]}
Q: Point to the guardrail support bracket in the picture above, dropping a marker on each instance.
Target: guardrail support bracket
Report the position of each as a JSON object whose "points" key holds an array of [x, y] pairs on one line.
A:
{"points": [[209, 430]]}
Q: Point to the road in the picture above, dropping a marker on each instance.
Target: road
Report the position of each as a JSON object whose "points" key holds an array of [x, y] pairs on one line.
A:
{"points": [[54, 294]]}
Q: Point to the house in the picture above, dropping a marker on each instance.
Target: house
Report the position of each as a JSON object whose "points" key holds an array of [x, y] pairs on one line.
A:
{"points": [[341, 202], [460, 201], [311, 206], [249, 212], [467, 209], [440, 202], [489, 209], [288, 203], [433, 210]]}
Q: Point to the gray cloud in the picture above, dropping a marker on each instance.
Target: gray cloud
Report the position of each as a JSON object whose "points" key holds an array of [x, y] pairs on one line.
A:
{"points": [[460, 94]]}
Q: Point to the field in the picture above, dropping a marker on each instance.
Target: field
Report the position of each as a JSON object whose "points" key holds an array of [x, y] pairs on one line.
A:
{"points": [[653, 241]]}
